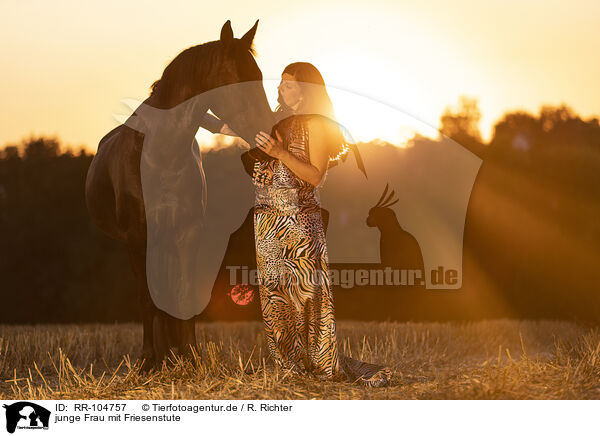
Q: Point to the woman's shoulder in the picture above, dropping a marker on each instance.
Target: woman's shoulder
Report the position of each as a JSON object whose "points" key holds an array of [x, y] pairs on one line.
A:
{"points": [[301, 125], [316, 131], [314, 122], [315, 127]]}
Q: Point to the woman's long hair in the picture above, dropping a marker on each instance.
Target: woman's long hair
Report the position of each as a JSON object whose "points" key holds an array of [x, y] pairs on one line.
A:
{"points": [[315, 101]]}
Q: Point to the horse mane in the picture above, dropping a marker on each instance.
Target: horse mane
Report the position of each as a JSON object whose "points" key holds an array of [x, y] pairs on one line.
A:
{"points": [[191, 62]]}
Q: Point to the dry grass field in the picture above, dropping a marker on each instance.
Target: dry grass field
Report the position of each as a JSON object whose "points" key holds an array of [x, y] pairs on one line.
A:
{"points": [[494, 359]]}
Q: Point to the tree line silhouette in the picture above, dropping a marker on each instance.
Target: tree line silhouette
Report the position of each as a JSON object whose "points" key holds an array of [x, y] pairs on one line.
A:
{"points": [[532, 224]]}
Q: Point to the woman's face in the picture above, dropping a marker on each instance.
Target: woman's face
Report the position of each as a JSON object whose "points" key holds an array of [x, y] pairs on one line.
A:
{"points": [[290, 90]]}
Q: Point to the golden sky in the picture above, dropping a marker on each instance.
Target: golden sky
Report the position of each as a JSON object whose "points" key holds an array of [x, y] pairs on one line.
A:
{"points": [[66, 65]]}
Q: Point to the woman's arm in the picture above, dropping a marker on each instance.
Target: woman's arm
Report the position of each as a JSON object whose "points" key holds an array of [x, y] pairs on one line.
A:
{"points": [[314, 171]]}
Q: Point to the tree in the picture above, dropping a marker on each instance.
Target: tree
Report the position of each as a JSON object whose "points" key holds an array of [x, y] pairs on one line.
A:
{"points": [[9, 152], [41, 147], [462, 125]]}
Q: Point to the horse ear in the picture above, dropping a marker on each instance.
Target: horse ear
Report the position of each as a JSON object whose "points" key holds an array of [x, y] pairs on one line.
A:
{"points": [[249, 36], [227, 33]]}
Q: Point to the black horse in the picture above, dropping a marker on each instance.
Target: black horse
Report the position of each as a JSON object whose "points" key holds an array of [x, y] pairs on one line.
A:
{"points": [[113, 186]]}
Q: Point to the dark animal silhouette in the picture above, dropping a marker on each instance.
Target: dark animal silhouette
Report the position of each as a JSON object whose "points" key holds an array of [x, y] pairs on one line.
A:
{"points": [[13, 415], [113, 185], [397, 248]]}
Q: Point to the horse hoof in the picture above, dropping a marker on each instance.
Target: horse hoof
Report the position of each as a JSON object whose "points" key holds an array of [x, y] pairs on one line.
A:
{"points": [[147, 366], [148, 361]]}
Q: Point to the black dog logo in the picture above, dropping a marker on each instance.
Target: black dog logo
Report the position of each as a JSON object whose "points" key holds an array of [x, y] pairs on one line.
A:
{"points": [[26, 415]]}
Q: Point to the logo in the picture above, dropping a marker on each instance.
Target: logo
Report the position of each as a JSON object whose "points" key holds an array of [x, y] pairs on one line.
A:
{"points": [[26, 415], [428, 180]]}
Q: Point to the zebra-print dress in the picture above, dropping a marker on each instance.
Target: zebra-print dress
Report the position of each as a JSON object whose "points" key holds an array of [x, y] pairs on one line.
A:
{"points": [[295, 292]]}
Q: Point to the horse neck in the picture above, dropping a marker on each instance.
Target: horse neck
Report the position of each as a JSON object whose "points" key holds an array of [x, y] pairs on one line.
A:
{"points": [[192, 108]]}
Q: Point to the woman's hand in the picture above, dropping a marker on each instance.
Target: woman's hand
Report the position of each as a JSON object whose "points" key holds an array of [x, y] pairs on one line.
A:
{"points": [[273, 147]]}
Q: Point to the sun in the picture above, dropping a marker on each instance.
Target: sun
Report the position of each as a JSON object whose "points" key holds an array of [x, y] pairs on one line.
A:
{"points": [[366, 119]]}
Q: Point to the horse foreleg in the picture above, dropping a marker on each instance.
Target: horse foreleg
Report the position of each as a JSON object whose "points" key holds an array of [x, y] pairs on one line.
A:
{"points": [[161, 335], [138, 263], [186, 334], [162, 332], [173, 334]]}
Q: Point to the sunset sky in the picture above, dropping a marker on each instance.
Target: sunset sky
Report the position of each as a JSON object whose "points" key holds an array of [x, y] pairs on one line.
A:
{"points": [[66, 65]]}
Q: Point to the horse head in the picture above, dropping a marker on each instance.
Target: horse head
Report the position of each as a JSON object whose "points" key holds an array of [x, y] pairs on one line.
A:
{"points": [[222, 76]]}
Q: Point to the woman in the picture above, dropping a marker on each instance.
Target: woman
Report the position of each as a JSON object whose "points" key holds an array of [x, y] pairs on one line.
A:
{"points": [[295, 292]]}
